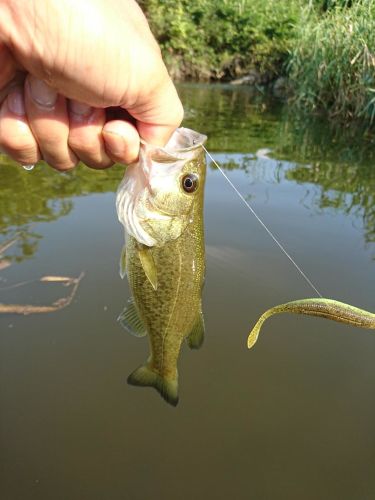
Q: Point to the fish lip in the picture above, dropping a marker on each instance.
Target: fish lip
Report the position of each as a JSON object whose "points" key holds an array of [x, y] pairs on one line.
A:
{"points": [[196, 140]]}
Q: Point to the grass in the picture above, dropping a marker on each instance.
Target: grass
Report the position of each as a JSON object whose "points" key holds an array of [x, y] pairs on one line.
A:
{"points": [[332, 65]]}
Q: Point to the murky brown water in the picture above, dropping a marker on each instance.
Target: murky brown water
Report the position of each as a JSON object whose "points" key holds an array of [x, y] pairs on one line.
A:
{"points": [[291, 419]]}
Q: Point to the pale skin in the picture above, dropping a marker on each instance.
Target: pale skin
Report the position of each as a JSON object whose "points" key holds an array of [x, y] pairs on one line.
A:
{"points": [[62, 63]]}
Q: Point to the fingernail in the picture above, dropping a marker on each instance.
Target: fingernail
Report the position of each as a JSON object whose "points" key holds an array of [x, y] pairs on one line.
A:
{"points": [[15, 103], [115, 142], [79, 108], [42, 94]]}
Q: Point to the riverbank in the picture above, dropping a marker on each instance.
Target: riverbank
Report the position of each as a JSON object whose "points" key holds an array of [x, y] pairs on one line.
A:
{"points": [[319, 53]]}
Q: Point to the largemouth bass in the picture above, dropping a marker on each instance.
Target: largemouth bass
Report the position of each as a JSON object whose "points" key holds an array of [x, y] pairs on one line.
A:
{"points": [[160, 204]]}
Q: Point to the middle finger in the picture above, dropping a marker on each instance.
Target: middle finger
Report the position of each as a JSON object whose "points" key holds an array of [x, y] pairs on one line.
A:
{"points": [[48, 119]]}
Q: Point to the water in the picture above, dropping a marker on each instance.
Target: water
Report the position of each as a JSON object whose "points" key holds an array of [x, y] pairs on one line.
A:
{"points": [[291, 419]]}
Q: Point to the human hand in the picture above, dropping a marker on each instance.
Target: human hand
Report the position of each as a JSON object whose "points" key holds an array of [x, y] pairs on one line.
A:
{"points": [[62, 62]]}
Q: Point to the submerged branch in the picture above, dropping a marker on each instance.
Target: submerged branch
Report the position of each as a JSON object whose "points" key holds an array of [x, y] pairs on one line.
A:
{"points": [[56, 306], [4, 263], [7, 244]]}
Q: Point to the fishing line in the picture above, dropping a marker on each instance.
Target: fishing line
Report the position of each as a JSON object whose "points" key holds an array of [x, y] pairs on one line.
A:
{"points": [[263, 224]]}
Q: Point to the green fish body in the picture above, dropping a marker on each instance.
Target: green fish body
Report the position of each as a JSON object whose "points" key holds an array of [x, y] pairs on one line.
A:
{"points": [[166, 279]]}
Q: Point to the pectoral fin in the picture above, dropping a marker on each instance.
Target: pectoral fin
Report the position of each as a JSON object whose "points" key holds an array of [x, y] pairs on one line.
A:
{"points": [[148, 264], [130, 320], [123, 262], [196, 336]]}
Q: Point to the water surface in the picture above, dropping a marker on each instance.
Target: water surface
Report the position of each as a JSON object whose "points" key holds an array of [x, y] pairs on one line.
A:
{"points": [[291, 419]]}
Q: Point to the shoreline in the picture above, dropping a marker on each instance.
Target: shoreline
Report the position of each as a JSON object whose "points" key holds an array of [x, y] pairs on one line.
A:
{"points": [[320, 53]]}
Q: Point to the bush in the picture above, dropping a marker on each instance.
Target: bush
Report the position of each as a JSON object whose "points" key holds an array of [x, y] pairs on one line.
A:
{"points": [[332, 64], [224, 38]]}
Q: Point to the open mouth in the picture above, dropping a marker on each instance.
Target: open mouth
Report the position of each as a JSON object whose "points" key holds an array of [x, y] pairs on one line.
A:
{"points": [[183, 141]]}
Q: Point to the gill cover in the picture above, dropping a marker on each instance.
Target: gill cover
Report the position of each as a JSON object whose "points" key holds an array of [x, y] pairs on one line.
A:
{"points": [[155, 199]]}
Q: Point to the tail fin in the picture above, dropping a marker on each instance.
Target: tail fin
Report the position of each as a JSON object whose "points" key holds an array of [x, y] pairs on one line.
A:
{"points": [[145, 377]]}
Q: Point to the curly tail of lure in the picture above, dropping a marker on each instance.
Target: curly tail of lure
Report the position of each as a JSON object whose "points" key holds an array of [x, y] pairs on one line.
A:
{"points": [[324, 308]]}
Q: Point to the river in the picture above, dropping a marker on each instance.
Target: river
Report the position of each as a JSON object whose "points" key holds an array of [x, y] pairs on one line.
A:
{"points": [[293, 418]]}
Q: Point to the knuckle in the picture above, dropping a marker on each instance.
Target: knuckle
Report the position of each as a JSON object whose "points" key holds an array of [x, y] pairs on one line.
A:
{"points": [[61, 165], [120, 159], [14, 139], [53, 140], [27, 157], [89, 149], [18, 146], [24, 158], [90, 153], [99, 164]]}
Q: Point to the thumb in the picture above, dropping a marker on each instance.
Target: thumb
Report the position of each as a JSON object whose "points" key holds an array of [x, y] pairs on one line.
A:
{"points": [[121, 140], [156, 118], [157, 135]]}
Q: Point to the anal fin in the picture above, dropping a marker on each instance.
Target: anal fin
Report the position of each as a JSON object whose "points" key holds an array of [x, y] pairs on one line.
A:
{"points": [[130, 320]]}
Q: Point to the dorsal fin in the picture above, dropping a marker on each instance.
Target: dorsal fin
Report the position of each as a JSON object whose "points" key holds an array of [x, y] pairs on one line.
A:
{"points": [[130, 320]]}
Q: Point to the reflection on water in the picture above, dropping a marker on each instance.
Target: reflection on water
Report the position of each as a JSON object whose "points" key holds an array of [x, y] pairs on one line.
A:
{"points": [[339, 162], [43, 195], [238, 121], [292, 418], [348, 188]]}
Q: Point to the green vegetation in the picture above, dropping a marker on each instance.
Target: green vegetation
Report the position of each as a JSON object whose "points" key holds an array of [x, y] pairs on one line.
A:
{"points": [[326, 48], [332, 64], [203, 39]]}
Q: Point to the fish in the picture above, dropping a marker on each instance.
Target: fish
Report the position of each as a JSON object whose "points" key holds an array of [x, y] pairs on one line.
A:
{"points": [[160, 204], [321, 307]]}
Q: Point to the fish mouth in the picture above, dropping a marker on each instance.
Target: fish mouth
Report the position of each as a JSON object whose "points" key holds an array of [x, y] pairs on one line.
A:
{"points": [[183, 141]]}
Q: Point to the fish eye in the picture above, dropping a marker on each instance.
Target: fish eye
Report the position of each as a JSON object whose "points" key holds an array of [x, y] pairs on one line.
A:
{"points": [[189, 183]]}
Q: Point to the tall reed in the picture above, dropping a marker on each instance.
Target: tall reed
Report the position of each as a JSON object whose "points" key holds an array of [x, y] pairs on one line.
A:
{"points": [[332, 65]]}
